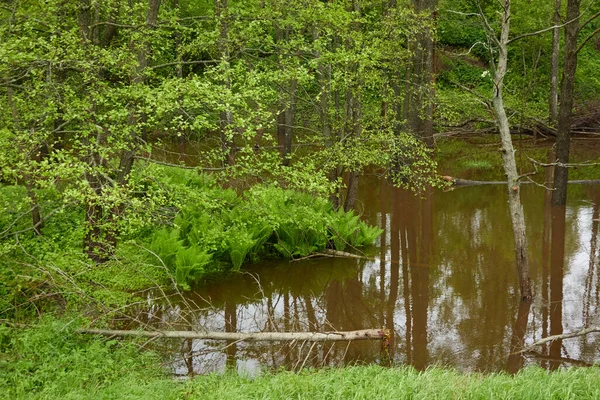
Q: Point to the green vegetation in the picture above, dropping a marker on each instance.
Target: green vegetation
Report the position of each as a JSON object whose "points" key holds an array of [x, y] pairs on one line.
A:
{"points": [[217, 230], [403, 383], [49, 361], [286, 104]]}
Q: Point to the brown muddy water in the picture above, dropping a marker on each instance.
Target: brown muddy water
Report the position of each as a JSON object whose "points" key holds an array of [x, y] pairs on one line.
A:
{"points": [[441, 277]]}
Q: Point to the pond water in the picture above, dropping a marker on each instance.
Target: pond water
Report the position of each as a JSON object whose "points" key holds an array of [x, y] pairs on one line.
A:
{"points": [[441, 278]]}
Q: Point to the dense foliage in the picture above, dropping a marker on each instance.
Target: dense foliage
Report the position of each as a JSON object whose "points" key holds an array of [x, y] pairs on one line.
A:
{"points": [[92, 88]]}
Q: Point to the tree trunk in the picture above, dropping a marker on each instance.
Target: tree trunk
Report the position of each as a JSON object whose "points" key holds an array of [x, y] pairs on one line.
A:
{"points": [[100, 239], [226, 116], [565, 112], [419, 94], [508, 157], [352, 192], [364, 334], [353, 114], [553, 101], [289, 119]]}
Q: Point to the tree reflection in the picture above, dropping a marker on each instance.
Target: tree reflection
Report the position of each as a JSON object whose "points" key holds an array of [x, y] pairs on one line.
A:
{"points": [[557, 261], [442, 281]]}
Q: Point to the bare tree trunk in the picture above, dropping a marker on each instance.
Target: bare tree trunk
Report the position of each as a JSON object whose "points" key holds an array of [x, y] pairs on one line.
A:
{"points": [[420, 79], [352, 192], [37, 221], [289, 119], [565, 112], [508, 157], [553, 103]]}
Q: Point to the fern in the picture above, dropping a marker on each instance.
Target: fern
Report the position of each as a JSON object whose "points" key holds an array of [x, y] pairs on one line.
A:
{"points": [[166, 243], [367, 235], [343, 227], [189, 265]]}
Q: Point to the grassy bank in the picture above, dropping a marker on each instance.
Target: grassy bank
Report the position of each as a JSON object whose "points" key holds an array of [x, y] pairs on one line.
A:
{"points": [[49, 361]]}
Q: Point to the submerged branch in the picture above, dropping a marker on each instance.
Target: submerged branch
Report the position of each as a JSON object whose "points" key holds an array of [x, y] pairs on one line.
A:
{"points": [[365, 334]]}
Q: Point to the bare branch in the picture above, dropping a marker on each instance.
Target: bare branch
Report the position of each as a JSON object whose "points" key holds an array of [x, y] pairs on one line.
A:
{"points": [[583, 332], [184, 63], [590, 19], [542, 30]]}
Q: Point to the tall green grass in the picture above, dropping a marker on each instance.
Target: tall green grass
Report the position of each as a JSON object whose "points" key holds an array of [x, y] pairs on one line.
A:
{"points": [[49, 361], [373, 382]]}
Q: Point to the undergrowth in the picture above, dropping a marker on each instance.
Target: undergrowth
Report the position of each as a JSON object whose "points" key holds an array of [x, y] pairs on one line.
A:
{"points": [[50, 361], [220, 230]]}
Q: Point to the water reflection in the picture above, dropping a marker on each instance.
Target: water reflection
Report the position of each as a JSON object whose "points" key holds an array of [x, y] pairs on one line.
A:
{"points": [[441, 278]]}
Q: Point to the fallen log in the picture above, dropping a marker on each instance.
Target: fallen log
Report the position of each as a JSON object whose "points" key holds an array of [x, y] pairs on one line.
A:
{"points": [[365, 334], [466, 182]]}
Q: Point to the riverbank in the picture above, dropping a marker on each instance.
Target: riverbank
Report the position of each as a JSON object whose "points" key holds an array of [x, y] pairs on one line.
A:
{"points": [[48, 361]]}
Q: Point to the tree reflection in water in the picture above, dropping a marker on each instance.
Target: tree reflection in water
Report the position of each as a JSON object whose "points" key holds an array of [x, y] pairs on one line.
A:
{"points": [[441, 278]]}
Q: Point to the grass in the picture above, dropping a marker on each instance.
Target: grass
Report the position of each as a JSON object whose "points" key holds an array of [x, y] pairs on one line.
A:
{"points": [[49, 361], [373, 382]]}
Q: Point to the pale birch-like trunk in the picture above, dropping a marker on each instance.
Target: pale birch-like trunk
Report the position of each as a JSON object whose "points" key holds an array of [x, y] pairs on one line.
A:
{"points": [[508, 157]]}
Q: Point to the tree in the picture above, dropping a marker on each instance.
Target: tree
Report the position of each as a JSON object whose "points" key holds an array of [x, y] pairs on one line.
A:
{"points": [[93, 88], [508, 152], [565, 112]]}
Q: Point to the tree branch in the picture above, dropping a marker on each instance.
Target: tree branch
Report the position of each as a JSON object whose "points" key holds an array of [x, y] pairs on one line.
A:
{"points": [[184, 63], [590, 19], [591, 35], [583, 332], [541, 30]]}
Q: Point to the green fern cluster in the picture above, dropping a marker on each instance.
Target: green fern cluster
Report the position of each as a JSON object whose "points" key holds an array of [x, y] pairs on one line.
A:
{"points": [[217, 230]]}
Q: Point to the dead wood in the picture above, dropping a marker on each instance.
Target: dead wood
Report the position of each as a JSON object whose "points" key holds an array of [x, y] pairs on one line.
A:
{"points": [[457, 182], [365, 334], [338, 253]]}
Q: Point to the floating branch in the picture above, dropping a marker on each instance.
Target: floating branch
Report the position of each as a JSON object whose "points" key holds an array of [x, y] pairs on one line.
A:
{"points": [[365, 334]]}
